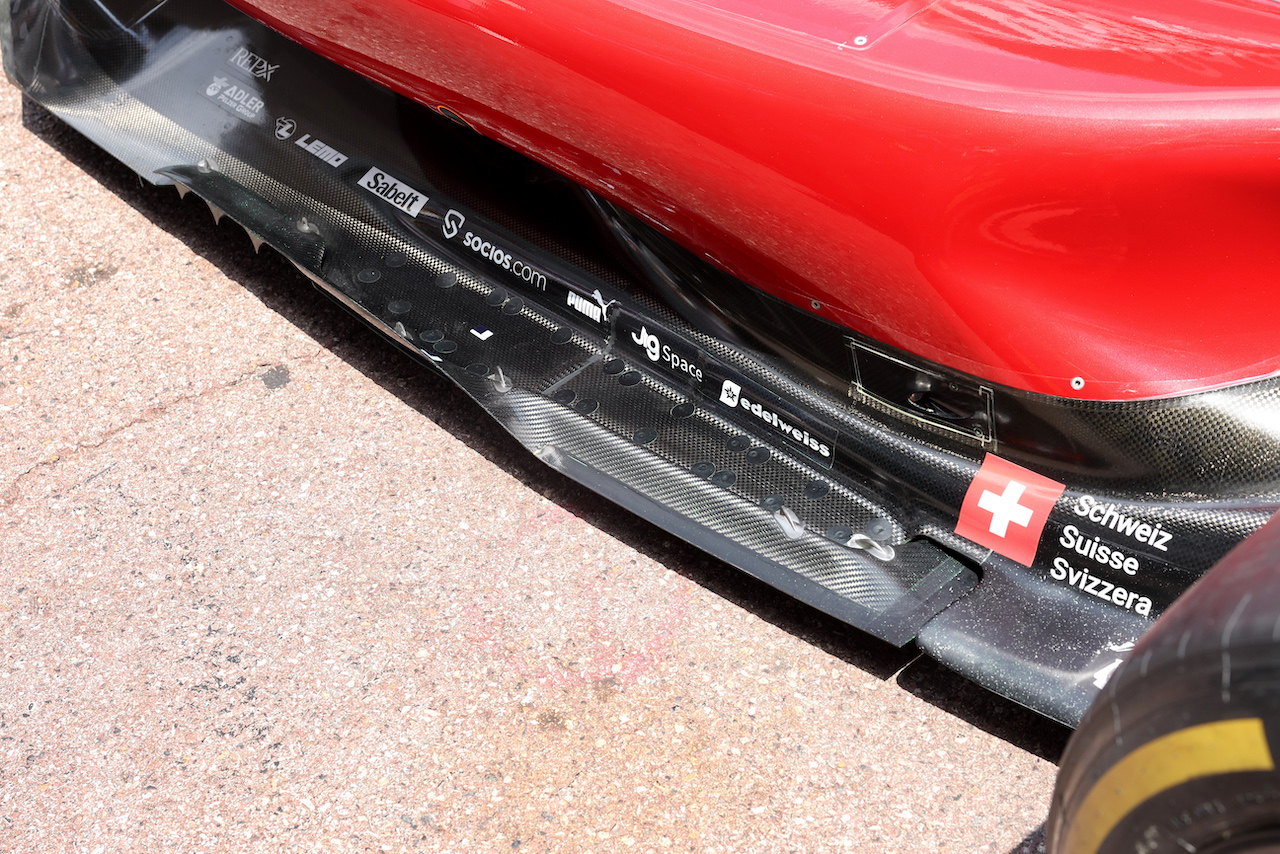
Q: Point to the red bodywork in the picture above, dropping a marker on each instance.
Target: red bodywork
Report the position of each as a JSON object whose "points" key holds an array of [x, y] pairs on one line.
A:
{"points": [[1033, 193]]}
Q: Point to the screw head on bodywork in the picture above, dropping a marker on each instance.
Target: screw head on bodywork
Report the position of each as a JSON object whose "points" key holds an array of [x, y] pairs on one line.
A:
{"points": [[702, 468], [839, 534], [725, 478], [816, 489], [878, 529]]}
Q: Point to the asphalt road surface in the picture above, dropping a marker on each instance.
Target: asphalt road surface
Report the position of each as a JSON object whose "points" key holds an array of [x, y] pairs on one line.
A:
{"points": [[269, 586]]}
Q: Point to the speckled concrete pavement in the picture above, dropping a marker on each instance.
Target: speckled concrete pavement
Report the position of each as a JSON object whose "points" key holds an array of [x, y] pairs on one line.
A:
{"points": [[268, 586]]}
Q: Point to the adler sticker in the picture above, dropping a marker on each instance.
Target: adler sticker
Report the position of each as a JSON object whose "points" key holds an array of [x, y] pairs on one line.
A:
{"points": [[1006, 508]]}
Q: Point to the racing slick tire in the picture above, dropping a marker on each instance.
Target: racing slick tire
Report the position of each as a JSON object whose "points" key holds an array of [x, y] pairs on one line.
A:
{"points": [[1177, 754]]}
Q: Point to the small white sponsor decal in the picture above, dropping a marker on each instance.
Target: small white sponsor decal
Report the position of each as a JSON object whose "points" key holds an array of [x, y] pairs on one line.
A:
{"points": [[484, 333], [243, 102], [397, 193], [1081, 579], [453, 222], [585, 306], [247, 60], [659, 352], [1110, 516], [649, 341], [285, 128], [1095, 549], [495, 254], [322, 150], [731, 395]]}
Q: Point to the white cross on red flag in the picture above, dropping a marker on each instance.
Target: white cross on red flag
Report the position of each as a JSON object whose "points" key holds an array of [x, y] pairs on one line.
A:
{"points": [[1006, 508]]}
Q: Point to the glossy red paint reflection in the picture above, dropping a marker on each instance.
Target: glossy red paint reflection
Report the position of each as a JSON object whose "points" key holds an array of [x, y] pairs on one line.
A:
{"points": [[1029, 192]]}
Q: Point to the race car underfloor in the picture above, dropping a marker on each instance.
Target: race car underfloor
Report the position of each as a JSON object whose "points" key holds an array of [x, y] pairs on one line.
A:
{"points": [[494, 272]]}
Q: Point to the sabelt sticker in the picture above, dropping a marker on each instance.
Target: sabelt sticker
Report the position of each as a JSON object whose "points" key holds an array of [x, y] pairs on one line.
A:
{"points": [[396, 192], [1006, 508]]}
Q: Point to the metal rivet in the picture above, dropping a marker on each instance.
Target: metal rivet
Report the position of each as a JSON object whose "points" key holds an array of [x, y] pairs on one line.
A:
{"points": [[683, 410], [738, 444], [613, 366], [703, 468], [563, 335], [446, 280], [497, 296], [396, 259], [629, 378], [564, 395], [513, 306], [478, 368], [772, 503], [1077, 383], [586, 406], [644, 436], [400, 306], [445, 346], [369, 276], [860, 41], [759, 455]]}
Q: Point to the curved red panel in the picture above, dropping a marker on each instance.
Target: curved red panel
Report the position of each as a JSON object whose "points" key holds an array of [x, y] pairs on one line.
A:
{"points": [[1029, 192]]}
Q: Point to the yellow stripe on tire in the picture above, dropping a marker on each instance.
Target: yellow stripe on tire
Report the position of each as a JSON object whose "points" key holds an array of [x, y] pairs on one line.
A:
{"points": [[1222, 747]]}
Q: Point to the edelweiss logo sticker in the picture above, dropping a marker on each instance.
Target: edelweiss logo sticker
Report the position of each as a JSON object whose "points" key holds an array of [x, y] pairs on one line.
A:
{"points": [[1006, 508], [730, 393]]}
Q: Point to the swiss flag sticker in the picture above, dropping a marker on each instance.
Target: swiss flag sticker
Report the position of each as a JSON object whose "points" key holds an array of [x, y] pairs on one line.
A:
{"points": [[1006, 507]]}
